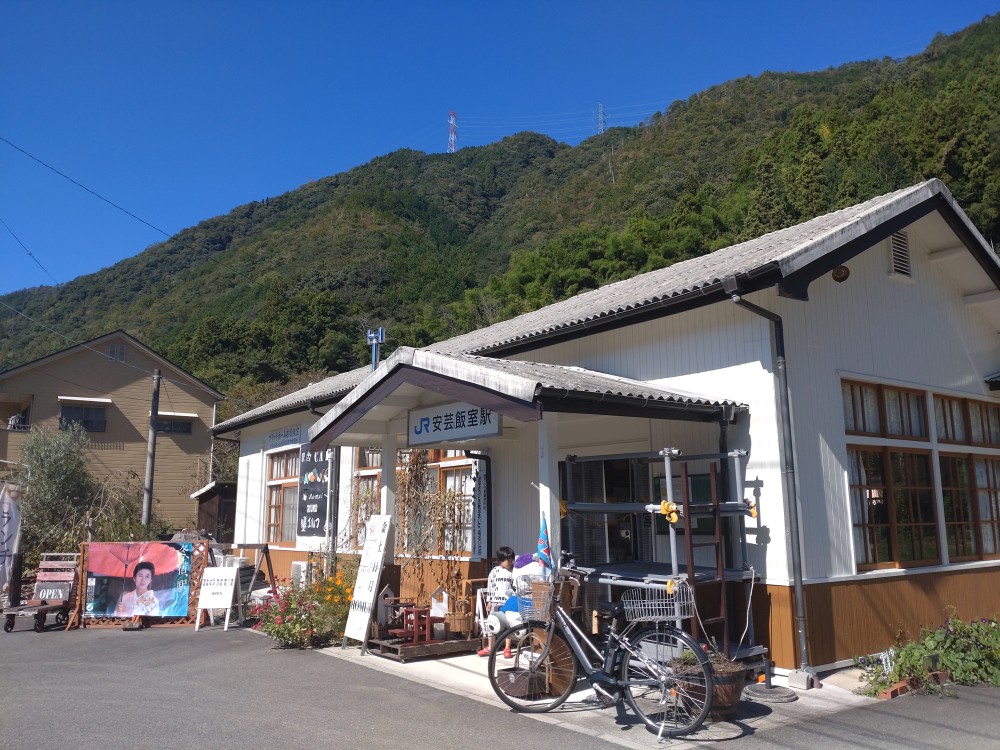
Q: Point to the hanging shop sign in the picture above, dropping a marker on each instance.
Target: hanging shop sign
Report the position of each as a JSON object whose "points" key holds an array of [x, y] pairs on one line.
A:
{"points": [[480, 494], [314, 486], [447, 422]]}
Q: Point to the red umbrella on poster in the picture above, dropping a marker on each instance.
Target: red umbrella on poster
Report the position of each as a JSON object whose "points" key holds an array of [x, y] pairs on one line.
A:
{"points": [[125, 579]]}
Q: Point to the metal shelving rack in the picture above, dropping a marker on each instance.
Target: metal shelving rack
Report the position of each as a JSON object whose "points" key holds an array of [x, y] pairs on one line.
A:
{"points": [[727, 547]]}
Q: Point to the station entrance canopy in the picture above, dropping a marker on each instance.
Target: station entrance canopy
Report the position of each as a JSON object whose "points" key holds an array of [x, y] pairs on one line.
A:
{"points": [[522, 391]]}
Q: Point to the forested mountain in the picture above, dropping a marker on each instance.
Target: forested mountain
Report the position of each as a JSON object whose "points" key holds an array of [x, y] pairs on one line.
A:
{"points": [[430, 245]]}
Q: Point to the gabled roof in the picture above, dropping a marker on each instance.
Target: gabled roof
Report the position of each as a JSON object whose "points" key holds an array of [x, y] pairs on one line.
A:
{"points": [[314, 395], [94, 344], [789, 258], [523, 390]]}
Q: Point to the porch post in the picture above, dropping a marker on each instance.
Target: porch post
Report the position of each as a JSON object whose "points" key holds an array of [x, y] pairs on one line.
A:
{"points": [[548, 479], [388, 488]]}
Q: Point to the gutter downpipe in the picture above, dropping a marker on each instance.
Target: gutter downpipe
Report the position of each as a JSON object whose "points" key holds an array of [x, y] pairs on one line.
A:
{"points": [[804, 677]]}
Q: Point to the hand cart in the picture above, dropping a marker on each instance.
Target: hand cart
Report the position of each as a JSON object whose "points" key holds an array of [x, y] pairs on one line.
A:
{"points": [[55, 589]]}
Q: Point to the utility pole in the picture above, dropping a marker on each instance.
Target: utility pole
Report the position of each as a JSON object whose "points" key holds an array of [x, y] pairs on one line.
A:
{"points": [[452, 131], [602, 122], [375, 338], [147, 490]]}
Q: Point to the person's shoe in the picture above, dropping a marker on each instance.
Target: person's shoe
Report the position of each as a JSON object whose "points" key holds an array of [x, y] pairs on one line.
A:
{"points": [[483, 652], [507, 654]]}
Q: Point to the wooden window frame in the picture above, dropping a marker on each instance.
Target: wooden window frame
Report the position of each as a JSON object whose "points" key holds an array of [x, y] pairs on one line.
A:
{"points": [[283, 475], [363, 509], [945, 420], [468, 497], [891, 491], [368, 458], [969, 519], [992, 437], [883, 412], [991, 489]]}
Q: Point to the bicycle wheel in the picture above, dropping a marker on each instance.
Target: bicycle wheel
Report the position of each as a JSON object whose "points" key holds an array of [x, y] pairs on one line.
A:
{"points": [[528, 681], [668, 683]]}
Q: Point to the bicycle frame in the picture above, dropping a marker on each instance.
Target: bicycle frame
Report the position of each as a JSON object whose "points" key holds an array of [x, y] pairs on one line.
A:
{"points": [[602, 678]]}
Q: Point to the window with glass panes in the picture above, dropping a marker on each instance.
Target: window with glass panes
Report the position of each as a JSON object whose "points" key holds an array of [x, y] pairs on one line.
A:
{"points": [[282, 496], [366, 500], [455, 483], [893, 505]]}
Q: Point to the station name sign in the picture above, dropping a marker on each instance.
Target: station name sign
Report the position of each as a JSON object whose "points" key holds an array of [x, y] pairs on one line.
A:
{"points": [[448, 422]]}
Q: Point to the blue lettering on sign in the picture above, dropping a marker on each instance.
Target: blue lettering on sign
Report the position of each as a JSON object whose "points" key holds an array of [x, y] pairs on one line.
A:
{"points": [[424, 426]]}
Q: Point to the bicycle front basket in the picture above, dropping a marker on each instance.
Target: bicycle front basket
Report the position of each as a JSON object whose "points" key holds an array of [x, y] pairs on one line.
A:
{"points": [[658, 604], [534, 597]]}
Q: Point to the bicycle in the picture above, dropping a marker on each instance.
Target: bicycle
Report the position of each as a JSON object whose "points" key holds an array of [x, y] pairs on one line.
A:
{"points": [[660, 671]]}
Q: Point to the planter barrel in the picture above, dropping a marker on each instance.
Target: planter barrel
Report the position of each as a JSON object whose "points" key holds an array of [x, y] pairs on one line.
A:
{"points": [[726, 694]]}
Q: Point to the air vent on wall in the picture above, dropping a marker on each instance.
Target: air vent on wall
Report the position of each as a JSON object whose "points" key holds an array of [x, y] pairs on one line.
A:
{"points": [[899, 244]]}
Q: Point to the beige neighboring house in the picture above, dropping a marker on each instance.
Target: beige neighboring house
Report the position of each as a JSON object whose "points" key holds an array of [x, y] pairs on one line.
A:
{"points": [[106, 384]]}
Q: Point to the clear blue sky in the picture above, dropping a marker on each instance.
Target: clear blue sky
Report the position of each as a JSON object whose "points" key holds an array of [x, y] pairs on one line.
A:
{"points": [[179, 111]]}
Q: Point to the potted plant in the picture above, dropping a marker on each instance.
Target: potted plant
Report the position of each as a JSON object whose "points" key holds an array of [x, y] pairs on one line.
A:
{"points": [[728, 680]]}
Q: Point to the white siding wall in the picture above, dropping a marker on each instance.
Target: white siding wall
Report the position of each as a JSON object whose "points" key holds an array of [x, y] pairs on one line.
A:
{"points": [[722, 352], [515, 501], [915, 334], [251, 502], [726, 352]]}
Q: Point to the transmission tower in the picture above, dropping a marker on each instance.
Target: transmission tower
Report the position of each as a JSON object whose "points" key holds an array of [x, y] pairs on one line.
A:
{"points": [[601, 121], [452, 131]]}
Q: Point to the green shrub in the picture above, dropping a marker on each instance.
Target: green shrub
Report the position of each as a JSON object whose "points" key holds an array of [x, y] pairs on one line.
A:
{"points": [[968, 651]]}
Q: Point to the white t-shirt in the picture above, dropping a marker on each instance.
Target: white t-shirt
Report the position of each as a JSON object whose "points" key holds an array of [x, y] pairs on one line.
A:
{"points": [[500, 586]]}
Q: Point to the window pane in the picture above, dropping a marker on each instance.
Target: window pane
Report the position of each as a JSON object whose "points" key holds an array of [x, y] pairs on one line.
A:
{"points": [[956, 484], [91, 418], [984, 423], [860, 403], [289, 513], [949, 414], [904, 413], [988, 496], [869, 513], [913, 507]]}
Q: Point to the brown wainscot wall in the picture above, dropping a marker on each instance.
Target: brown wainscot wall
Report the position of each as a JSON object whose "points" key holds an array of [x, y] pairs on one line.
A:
{"points": [[858, 617]]}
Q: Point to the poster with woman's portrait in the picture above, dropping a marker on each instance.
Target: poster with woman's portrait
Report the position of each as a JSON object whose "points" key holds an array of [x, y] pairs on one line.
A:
{"points": [[125, 579]]}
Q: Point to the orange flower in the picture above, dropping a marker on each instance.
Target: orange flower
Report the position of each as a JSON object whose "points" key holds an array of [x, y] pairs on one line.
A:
{"points": [[328, 597], [336, 599]]}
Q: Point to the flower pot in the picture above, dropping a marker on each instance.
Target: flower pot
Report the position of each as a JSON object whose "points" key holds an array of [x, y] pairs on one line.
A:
{"points": [[727, 692]]}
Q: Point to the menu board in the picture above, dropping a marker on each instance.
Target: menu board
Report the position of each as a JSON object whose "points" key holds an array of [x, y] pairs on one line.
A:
{"points": [[314, 486]]}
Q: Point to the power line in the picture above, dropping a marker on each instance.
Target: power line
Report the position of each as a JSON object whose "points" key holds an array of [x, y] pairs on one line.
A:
{"points": [[30, 254], [84, 187]]}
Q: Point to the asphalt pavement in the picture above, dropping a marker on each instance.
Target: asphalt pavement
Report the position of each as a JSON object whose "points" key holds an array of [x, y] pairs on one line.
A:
{"points": [[104, 688]]}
